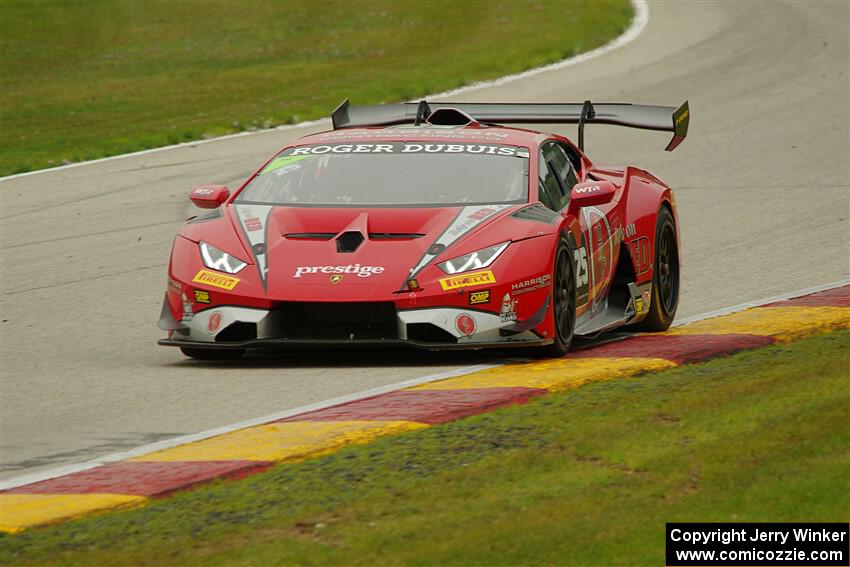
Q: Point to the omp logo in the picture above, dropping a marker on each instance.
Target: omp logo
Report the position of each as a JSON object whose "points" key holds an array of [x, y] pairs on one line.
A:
{"points": [[357, 269], [478, 297], [215, 280], [467, 280]]}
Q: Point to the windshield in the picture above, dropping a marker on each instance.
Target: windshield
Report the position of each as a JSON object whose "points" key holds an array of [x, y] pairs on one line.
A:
{"points": [[389, 174]]}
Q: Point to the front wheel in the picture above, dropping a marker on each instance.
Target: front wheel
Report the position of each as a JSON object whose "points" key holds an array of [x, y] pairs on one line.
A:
{"points": [[213, 353], [564, 304], [665, 276]]}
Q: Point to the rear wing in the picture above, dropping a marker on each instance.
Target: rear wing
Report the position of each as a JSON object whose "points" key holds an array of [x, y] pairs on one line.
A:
{"points": [[661, 118]]}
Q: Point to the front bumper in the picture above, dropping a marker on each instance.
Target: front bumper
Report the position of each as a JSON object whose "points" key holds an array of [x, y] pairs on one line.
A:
{"points": [[283, 344], [363, 324]]}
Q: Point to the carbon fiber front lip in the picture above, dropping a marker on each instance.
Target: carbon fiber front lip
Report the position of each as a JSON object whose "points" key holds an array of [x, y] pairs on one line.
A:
{"points": [[293, 343]]}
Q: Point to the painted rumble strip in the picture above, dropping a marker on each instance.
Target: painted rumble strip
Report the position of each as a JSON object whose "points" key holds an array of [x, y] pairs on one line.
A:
{"points": [[320, 431]]}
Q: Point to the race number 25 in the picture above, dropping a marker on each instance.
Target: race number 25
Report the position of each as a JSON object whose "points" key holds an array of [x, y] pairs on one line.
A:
{"points": [[581, 266]]}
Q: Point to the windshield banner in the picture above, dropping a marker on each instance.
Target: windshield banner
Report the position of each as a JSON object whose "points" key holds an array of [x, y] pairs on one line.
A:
{"points": [[408, 148]]}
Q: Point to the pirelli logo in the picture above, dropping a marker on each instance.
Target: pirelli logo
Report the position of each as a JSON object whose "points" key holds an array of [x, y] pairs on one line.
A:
{"points": [[467, 280], [215, 280]]}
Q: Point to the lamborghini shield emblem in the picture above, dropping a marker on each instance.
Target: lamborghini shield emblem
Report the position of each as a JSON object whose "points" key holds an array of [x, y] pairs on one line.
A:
{"points": [[336, 278]]}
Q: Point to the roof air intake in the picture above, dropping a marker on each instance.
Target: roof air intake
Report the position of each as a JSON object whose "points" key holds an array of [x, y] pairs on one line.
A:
{"points": [[450, 117], [349, 241]]}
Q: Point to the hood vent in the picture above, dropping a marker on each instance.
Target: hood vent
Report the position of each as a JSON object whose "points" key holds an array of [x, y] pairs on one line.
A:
{"points": [[372, 235], [349, 241], [310, 235], [395, 235]]}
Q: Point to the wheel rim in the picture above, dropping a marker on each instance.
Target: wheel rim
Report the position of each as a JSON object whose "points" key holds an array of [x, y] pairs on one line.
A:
{"points": [[668, 269], [564, 297]]}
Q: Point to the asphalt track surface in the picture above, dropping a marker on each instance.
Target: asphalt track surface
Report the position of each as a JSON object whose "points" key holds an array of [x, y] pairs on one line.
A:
{"points": [[761, 184]]}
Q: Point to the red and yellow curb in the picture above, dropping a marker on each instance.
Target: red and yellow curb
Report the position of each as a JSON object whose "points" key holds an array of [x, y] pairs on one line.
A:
{"points": [[281, 442], [785, 323], [250, 450], [553, 375], [422, 406], [21, 511]]}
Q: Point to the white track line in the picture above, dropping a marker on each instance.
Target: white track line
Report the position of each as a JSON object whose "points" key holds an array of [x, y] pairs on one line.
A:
{"points": [[183, 439], [637, 26]]}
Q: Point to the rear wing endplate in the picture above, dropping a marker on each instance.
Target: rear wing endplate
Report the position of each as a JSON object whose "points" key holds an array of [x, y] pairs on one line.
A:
{"points": [[660, 118]]}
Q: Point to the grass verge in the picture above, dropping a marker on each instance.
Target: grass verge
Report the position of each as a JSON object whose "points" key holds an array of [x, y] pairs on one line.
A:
{"points": [[584, 477], [86, 80]]}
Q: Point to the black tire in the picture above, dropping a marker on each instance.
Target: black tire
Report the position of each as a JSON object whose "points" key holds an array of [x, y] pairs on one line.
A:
{"points": [[213, 353], [665, 276], [563, 302]]}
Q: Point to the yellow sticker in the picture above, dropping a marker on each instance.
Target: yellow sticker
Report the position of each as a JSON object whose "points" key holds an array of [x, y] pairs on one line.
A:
{"points": [[467, 280], [215, 280], [638, 305], [476, 297], [202, 296]]}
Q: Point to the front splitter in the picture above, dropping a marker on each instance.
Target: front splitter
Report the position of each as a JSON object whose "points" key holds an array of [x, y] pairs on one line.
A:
{"points": [[286, 344]]}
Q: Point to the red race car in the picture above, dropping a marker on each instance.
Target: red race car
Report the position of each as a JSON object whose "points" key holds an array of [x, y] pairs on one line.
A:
{"points": [[429, 224]]}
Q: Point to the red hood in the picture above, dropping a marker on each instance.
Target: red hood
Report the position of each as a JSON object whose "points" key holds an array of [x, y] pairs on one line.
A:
{"points": [[290, 220], [302, 250], [298, 249], [296, 252]]}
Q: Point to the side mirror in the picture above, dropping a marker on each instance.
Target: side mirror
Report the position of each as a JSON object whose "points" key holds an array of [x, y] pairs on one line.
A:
{"points": [[209, 196], [591, 193]]}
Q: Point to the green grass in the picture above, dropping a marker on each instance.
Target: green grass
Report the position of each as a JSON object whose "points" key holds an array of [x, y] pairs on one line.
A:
{"points": [[584, 477], [81, 80]]}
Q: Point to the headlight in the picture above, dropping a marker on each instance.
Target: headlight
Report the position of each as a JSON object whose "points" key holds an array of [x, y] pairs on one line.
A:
{"points": [[474, 260], [219, 260]]}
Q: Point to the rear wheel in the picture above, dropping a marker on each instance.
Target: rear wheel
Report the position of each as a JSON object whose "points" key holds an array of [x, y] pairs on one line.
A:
{"points": [[213, 353], [564, 304], [665, 276]]}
